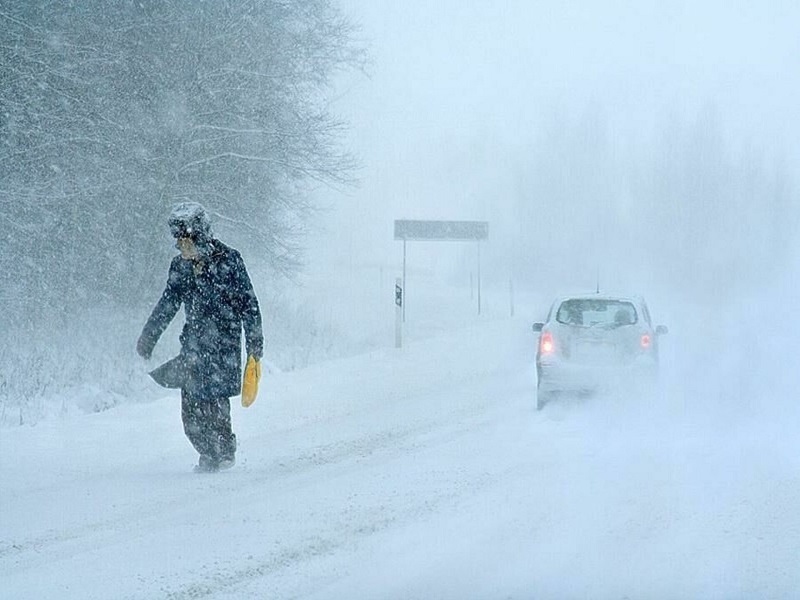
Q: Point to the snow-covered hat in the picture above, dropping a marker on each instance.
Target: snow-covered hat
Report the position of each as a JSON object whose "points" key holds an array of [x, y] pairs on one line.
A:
{"points": [[189, 219]]}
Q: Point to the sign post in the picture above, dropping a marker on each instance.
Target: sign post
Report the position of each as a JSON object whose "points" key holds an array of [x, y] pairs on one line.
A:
{"points": [[441, 231], [479, 277], [398, 313], [404, 277]]}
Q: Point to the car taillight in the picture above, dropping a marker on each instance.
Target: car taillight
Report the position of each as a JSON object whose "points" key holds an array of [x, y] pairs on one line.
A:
{"points": [[645, 341], [546, 345]]}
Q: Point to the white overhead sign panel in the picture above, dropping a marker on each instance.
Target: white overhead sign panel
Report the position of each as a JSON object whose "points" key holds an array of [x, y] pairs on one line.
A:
{"points": [[441, 230]]}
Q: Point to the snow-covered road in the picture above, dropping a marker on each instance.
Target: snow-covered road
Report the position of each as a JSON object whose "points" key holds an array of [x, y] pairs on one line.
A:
{"points": [[421, 473]]}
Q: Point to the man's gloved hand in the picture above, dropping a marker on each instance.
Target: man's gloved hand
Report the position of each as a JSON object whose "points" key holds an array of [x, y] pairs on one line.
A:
{"points": [[252, 375], [144, 347]]}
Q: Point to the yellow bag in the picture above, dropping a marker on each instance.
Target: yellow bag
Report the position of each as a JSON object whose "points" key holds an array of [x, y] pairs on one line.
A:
{"points": [[252, 375]]}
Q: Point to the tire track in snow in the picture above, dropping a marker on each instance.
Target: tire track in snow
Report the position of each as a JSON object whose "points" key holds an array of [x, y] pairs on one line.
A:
{"points": [[359, 527], [54, 545]]}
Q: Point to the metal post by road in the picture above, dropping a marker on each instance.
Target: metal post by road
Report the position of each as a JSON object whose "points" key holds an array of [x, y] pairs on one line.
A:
{"points": [[404, 279], [511, 295], [398, 320], [479, 278]]}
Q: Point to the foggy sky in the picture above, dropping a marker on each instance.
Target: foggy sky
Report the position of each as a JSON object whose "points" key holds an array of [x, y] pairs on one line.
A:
{"points": [[455, 88]]}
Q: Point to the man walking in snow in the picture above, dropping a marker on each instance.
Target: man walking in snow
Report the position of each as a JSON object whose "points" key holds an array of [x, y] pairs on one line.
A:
{"points": [[210, 280]]}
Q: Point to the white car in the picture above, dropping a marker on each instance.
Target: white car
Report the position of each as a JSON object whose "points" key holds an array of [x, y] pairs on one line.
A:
{"points": [[595, 341]]}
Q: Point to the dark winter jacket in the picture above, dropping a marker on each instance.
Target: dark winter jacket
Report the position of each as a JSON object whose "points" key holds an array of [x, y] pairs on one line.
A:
{"points": [[218, 300]]}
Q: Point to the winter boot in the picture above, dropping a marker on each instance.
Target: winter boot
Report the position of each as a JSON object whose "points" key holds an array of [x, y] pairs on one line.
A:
{"points": [[206, 464], [226, 462]]}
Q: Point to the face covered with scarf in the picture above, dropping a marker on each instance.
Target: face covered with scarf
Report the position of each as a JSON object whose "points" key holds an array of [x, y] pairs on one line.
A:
{"points": [[188, 248], [190, 226]]}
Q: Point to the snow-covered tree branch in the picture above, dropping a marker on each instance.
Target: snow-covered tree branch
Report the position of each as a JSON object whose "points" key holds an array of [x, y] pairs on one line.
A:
{"points": [[109, 116]]}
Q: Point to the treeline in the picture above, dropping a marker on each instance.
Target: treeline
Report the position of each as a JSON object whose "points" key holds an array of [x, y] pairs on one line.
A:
{"points": [[112, 111], [679, 206]]}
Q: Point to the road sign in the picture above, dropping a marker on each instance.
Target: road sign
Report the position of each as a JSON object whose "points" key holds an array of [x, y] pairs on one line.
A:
{"points": [[398, 320], [440, 231]]}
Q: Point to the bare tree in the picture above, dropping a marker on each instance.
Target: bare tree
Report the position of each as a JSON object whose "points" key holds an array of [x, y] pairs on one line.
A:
{"points": [[110, 112]]}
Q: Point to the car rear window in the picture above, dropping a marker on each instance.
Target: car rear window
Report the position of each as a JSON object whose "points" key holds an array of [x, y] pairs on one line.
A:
{"points": [[586, 312]]}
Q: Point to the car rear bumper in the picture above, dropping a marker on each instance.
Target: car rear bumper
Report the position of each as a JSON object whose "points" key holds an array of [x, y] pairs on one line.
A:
{"points": [[575, 377]]}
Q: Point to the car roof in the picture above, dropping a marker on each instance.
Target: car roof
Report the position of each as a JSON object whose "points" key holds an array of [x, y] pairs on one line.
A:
{"points": [[636, 299]]}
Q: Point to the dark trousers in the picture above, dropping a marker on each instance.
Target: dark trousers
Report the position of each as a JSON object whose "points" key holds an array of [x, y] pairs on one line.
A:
{"points": [[207, 424]]}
